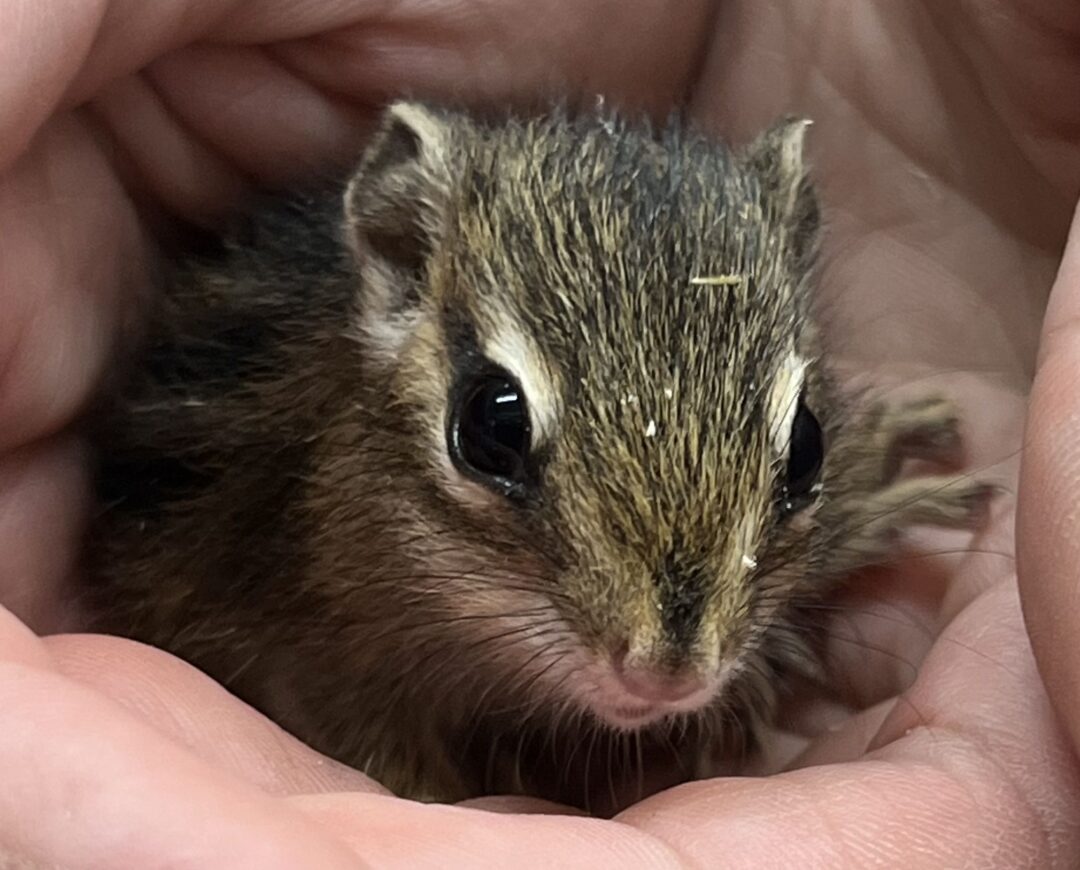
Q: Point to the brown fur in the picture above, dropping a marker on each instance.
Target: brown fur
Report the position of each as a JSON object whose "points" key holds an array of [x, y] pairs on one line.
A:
{"points": [[278, 508]]}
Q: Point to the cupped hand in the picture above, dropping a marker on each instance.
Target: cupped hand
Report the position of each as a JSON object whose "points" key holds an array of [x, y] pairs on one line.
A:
{"points": [[948, 150]]}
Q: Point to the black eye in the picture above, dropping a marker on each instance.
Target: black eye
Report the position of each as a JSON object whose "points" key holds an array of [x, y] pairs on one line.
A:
{"points": [[804, 460], [489, 431]]}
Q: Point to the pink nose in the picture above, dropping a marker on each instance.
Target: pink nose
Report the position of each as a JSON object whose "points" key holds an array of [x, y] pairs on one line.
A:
{"points": [[654, 685]]}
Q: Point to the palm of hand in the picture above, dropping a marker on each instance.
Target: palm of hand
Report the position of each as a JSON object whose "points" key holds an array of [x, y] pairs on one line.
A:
{"points": [[944, 151]]}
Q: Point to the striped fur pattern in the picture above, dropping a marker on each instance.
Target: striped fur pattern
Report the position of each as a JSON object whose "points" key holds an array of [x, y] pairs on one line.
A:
{"points": [[278, 505]]}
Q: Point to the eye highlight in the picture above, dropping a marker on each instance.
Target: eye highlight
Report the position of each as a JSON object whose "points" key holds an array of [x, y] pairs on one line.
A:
{"points": [[805, 458], [489, 433]]}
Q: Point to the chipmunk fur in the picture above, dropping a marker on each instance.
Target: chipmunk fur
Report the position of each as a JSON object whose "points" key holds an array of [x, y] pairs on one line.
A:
{"points": [[476, 471]]}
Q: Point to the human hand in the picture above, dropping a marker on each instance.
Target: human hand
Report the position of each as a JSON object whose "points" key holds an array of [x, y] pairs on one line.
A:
{"points": [[944, 239]]}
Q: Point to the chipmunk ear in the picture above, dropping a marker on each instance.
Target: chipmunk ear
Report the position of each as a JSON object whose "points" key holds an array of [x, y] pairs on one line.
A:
{"points": [[396, 202], [396, 207], [777, 156]]}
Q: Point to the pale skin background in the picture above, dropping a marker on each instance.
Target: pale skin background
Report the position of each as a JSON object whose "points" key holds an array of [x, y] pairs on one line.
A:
{"points": [[948, 146]]}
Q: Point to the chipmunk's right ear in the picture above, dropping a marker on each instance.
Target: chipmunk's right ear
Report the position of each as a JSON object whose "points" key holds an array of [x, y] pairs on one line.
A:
{"points": [[396, 206], [778, 157]]}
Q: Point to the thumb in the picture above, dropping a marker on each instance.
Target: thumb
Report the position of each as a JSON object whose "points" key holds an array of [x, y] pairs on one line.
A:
{"points": [[1048, 510]]}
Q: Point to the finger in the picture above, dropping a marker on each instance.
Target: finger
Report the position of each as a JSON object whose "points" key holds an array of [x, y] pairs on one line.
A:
{"points": [[390, 832], [19, 645], [71, 244], [59, 51], [42, 496], [842, 816], [639, 53], [1048, 513], [86, 785], [311, 131], [320, 92], [163, 160], [968, 770], [190, 709]]}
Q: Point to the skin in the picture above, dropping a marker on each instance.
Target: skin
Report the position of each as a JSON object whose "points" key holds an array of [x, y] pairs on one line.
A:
{"points": [[948, 148]]}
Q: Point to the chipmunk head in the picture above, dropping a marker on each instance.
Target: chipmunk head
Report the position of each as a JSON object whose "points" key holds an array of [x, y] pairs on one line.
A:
{"points": [[594, 338]]}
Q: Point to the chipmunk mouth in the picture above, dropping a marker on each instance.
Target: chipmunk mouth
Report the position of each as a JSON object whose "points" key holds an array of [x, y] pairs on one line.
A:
{"points": [[629, 713], [630, 700], [623, 708]]}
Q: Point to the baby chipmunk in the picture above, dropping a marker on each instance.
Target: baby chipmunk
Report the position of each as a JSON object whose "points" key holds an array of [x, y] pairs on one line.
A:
{"points": [[514, 464]]}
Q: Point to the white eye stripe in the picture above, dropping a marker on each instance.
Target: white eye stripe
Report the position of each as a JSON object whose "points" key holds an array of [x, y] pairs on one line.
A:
{"points": [[784, 401], [509, 348]]}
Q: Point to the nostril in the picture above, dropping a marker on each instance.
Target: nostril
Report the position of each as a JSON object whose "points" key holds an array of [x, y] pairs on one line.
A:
{"points": [[653, 684]]}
